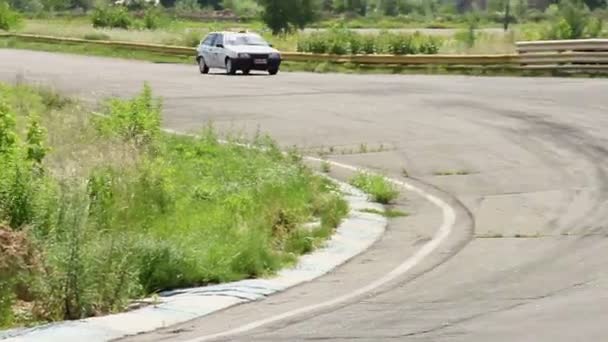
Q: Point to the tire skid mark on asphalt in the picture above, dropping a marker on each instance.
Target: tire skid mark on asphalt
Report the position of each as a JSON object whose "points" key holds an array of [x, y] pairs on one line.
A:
{"points": [[449, 220]]}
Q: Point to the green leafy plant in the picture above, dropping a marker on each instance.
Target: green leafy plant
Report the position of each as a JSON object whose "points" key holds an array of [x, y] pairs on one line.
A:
{"points": [[341, 41], [9, 19], [572, 19], [36, 150], [153, 18], [8, 137], [112, 17], [137, 120], [378, 187]]}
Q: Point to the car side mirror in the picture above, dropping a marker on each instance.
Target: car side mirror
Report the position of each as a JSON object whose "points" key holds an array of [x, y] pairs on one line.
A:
{"points": [[219, 45]]}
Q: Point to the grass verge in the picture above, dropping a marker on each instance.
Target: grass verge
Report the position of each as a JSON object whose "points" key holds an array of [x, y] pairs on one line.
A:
{"points": [[96, 211]]}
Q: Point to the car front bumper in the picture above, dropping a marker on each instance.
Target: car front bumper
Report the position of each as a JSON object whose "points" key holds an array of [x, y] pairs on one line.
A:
{"points": [[250, 64]]}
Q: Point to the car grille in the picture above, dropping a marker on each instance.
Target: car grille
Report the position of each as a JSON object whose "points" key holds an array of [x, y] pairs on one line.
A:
{"points": [[259, 56]]}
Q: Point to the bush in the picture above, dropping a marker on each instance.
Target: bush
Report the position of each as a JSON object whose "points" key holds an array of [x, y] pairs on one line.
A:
{"points": [[399, 44], [153, 18], [112, 17], [571, 19], [341, 41], [368, 44], [137, 120], [378, 187], [9, 19]]}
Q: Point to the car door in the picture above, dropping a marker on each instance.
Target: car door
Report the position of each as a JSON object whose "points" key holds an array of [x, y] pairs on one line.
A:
{"points": [[206, 49], [219, 51]]}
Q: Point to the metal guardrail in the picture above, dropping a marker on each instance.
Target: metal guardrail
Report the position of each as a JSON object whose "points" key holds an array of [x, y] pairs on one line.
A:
{"points": [[581, 54], [563, 45], [589, 55], [167, 49], [402, 60]]}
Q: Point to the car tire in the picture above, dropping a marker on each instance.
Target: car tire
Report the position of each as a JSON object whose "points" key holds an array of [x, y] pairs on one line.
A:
{"points": [[230, 67], [202, 66], [246, 71], [273, 71]]}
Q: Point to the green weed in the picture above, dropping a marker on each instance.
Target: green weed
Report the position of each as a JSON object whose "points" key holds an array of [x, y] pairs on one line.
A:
{"points": [[378, 187]]}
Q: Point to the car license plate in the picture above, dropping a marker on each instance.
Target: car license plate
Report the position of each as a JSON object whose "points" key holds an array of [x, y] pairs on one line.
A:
{"points": [[259, 61]]}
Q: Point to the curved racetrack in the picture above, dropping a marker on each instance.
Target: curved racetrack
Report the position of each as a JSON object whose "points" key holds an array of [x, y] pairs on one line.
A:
{"points": [[527, 259]]}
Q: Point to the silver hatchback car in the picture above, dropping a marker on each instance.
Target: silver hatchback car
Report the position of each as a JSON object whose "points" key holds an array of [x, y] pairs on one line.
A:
{"points": [[237, 51]]}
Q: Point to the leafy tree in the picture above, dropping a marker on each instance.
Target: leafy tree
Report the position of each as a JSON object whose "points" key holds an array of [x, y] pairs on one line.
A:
{"points": [[282, 16]]}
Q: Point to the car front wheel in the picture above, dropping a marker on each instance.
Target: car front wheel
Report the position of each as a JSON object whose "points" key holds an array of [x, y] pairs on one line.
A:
{"points": [[202, 66], [273, 71], [230, 67]]}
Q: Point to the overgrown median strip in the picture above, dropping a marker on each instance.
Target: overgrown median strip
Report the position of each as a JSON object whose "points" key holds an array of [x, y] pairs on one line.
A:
{"points": [[112, 209]]}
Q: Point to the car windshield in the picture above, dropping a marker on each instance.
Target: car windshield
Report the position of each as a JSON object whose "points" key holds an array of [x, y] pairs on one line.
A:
{"points": [[245, 39]]}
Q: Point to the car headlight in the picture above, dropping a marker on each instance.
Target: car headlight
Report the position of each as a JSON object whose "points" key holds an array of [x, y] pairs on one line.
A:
{"points": [[274, 55], [244, 55]]}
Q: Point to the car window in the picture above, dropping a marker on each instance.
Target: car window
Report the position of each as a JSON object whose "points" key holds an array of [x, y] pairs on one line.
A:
{"points": [[245, 39], [209, 40], [219, 39]]}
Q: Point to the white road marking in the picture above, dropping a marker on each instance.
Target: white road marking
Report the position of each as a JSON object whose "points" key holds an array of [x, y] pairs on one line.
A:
{"points": [[449, 218]]}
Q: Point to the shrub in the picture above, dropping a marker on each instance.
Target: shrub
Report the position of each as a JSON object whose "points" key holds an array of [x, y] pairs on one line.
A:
{"points": [[9, 19], [427, 45], [354, 43], [399, 44], [137, 120], [153, 18], [368, 44], [341, 41], [594, 28], [112, 17], [36, 150], [378, 187], [23, 185], [572, 20], [8, 137]]}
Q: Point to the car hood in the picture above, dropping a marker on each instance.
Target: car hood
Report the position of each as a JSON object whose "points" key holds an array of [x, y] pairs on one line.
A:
{"points": [[252, 49]]}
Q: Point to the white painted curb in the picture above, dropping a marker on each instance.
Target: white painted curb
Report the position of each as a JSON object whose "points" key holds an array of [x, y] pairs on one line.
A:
{"points": [[356, 234]]}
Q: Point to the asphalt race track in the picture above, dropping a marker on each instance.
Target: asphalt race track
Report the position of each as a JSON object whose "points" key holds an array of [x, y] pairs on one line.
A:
{"points": [[524, 162]]}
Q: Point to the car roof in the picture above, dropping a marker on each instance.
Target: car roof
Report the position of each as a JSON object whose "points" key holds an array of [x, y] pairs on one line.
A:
{"points": [[234, 33]]}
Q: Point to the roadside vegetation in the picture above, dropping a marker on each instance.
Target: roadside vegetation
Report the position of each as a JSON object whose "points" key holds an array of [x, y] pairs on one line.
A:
{"points": [[426, 27], [98, 210], [342, 41], [379, 188]]}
